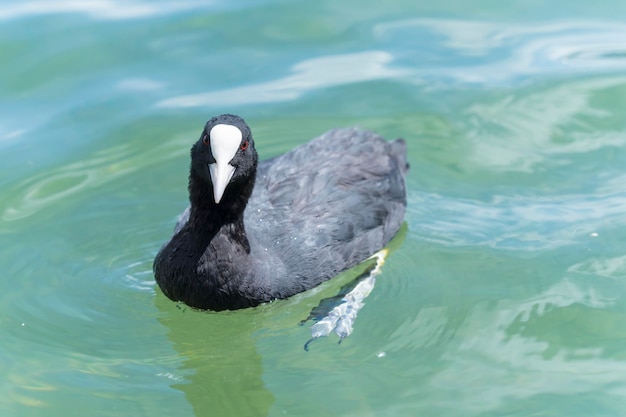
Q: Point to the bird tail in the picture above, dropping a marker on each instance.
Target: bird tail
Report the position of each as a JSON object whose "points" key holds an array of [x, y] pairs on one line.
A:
{"points": [[398, 150]]}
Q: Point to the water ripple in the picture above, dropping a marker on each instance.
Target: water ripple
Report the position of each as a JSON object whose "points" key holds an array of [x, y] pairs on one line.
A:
{"points": [[96, 9], [47, 188], [518, 133], [497, 344], [308, 75], [516, 222], [499, 51], [612, 268]]}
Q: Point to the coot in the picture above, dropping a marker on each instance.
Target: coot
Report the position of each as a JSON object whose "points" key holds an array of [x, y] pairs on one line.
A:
{"points": [[259, 231]]}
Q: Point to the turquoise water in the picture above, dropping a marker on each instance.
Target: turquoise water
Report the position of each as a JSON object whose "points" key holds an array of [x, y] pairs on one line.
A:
{"points": [[505, 294]]}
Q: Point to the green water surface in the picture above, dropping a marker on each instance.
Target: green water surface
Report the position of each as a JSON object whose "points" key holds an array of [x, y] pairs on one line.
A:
{"points": [[504, 297]]}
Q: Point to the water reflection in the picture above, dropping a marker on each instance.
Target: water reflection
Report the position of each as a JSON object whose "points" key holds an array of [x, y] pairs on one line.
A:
{"points": [[224, 371]]}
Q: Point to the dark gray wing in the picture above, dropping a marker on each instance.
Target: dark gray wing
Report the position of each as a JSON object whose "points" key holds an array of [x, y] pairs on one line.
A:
{"points": [[328, 204]]}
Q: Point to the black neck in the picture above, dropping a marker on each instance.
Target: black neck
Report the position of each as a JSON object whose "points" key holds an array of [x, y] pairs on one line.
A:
{"points": [[210, 217]]}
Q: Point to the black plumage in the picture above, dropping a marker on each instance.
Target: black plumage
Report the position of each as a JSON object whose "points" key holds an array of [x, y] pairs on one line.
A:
{"points": [[283, 225]]}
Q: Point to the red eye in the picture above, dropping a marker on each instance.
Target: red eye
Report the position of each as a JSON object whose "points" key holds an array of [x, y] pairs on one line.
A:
{"points": [[244, 145], [205, 139]]}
